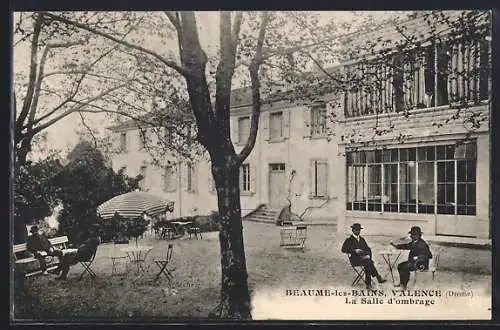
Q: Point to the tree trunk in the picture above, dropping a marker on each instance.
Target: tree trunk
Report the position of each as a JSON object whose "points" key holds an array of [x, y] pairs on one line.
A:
{"points": [[235, 296]]}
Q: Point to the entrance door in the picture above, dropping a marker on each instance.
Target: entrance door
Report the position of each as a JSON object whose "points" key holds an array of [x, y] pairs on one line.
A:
{"points": [[277, 184]]}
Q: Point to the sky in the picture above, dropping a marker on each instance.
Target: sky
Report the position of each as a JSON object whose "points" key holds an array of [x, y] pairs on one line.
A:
{"points": [[63, 134]]}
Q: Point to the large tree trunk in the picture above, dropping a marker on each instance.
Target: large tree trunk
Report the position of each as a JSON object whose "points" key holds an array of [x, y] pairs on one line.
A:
{"points": [[235, 296]]}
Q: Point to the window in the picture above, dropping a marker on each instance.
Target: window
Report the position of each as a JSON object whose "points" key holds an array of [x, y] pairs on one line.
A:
{"points": [[276, 126], [143, 172], [429, 179], [245, 178], [243, 129], [318, 121], [170, 178], [123, 142], [191, 177], [319, 178]]}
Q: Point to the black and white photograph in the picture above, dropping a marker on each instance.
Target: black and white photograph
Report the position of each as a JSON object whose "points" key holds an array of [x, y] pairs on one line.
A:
{"points": [[251, 165]]}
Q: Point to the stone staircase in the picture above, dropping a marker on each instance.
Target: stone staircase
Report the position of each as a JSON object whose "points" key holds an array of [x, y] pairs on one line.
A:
{"points": [[264, 213]]}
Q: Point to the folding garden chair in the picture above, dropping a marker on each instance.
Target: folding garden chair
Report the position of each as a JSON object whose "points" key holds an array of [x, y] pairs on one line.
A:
{"points": [[162, 264], [194, 229], [87, 266], [358, 270]]}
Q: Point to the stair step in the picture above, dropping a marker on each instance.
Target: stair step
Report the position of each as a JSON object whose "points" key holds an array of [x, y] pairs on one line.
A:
{"points": [[261, 217], [271, 214]]}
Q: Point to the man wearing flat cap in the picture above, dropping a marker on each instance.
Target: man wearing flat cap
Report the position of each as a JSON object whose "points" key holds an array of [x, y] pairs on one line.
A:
{"points": [[40, 246], [360, 254], [418, 258]]}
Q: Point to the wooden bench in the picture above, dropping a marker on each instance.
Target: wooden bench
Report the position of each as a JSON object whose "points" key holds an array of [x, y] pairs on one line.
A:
{"points": [[26, 263], [293, 236]]}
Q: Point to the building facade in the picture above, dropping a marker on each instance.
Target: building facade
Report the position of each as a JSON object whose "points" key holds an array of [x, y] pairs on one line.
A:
{"points": [[413, 150]]}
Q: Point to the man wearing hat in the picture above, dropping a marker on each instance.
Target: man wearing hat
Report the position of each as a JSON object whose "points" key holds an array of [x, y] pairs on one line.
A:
{"points": [[40, 246], [360, 254], [418, 258]]}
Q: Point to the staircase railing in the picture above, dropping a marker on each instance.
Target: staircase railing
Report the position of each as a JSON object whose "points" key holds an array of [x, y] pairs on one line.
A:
{"points": [[328, 199]]}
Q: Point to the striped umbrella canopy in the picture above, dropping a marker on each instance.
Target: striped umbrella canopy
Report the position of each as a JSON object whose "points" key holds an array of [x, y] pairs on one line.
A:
{"points": [[133, 204]]}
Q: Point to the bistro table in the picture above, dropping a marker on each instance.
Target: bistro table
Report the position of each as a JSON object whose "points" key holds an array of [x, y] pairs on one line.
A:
{"points": [[391, 258], [137, 255]]}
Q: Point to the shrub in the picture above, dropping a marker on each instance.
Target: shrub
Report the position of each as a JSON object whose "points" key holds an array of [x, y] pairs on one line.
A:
{"points": [[209, 222]]}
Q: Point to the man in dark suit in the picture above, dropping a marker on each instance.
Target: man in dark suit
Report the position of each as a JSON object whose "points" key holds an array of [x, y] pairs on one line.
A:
{"points": [[418, 258], [84, 253], [40, 246], [360, 254]]}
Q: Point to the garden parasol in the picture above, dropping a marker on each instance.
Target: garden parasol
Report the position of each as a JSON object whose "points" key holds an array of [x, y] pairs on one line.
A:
{"points": [[133, 204]]}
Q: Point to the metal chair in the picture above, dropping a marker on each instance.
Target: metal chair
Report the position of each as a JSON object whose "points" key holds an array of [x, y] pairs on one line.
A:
{"points": [[194, 229], [87, 266], [433, 265], [117, 258], [163, 263], [358, 270]]}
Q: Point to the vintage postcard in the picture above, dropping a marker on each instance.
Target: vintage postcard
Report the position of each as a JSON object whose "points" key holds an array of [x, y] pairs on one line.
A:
{"points": [[276, 165]]}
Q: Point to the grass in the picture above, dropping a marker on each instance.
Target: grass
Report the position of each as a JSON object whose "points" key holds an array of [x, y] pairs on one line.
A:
{"points": [[197, 276]]}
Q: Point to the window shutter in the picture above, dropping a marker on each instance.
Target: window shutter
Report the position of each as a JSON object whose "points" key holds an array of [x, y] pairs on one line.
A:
{"points": [[194, 177], [265, 125], [253, 174], [184, 177], [128, 138], [234, 130], [307, 122], [311, 178], [164, 177], [286, 123], [175, 176], [323, 178]]}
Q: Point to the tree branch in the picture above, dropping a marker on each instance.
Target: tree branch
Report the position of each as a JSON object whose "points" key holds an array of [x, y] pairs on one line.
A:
{"points": [[255, 80], [236, 30], [172, 64], [32, 75], [70, 111]]}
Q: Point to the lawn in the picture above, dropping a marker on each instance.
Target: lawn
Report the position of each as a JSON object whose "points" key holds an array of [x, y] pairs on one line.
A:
{"points": [[197, 276]]}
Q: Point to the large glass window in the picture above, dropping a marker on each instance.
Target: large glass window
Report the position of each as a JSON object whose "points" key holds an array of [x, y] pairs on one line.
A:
{"points": [[429, 179]]}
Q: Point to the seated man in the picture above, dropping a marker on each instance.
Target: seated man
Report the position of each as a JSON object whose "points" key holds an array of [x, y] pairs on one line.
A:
{"points": [[83, 253], [40, 246], [360, 254], [418, 258]]}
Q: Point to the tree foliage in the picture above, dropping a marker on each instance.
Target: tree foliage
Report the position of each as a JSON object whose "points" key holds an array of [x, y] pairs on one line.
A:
{"points": [[84, 183]]}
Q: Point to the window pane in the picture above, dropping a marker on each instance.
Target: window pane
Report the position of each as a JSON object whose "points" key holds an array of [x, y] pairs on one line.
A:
{"points": [[426, 187], [370, 156], [403, 154], [386, 155], [470, 150], [394, 155], [471, 171], [471, 194], [412, 154], [461, 171], [461, 193], [450, 152], [441, 152]]}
